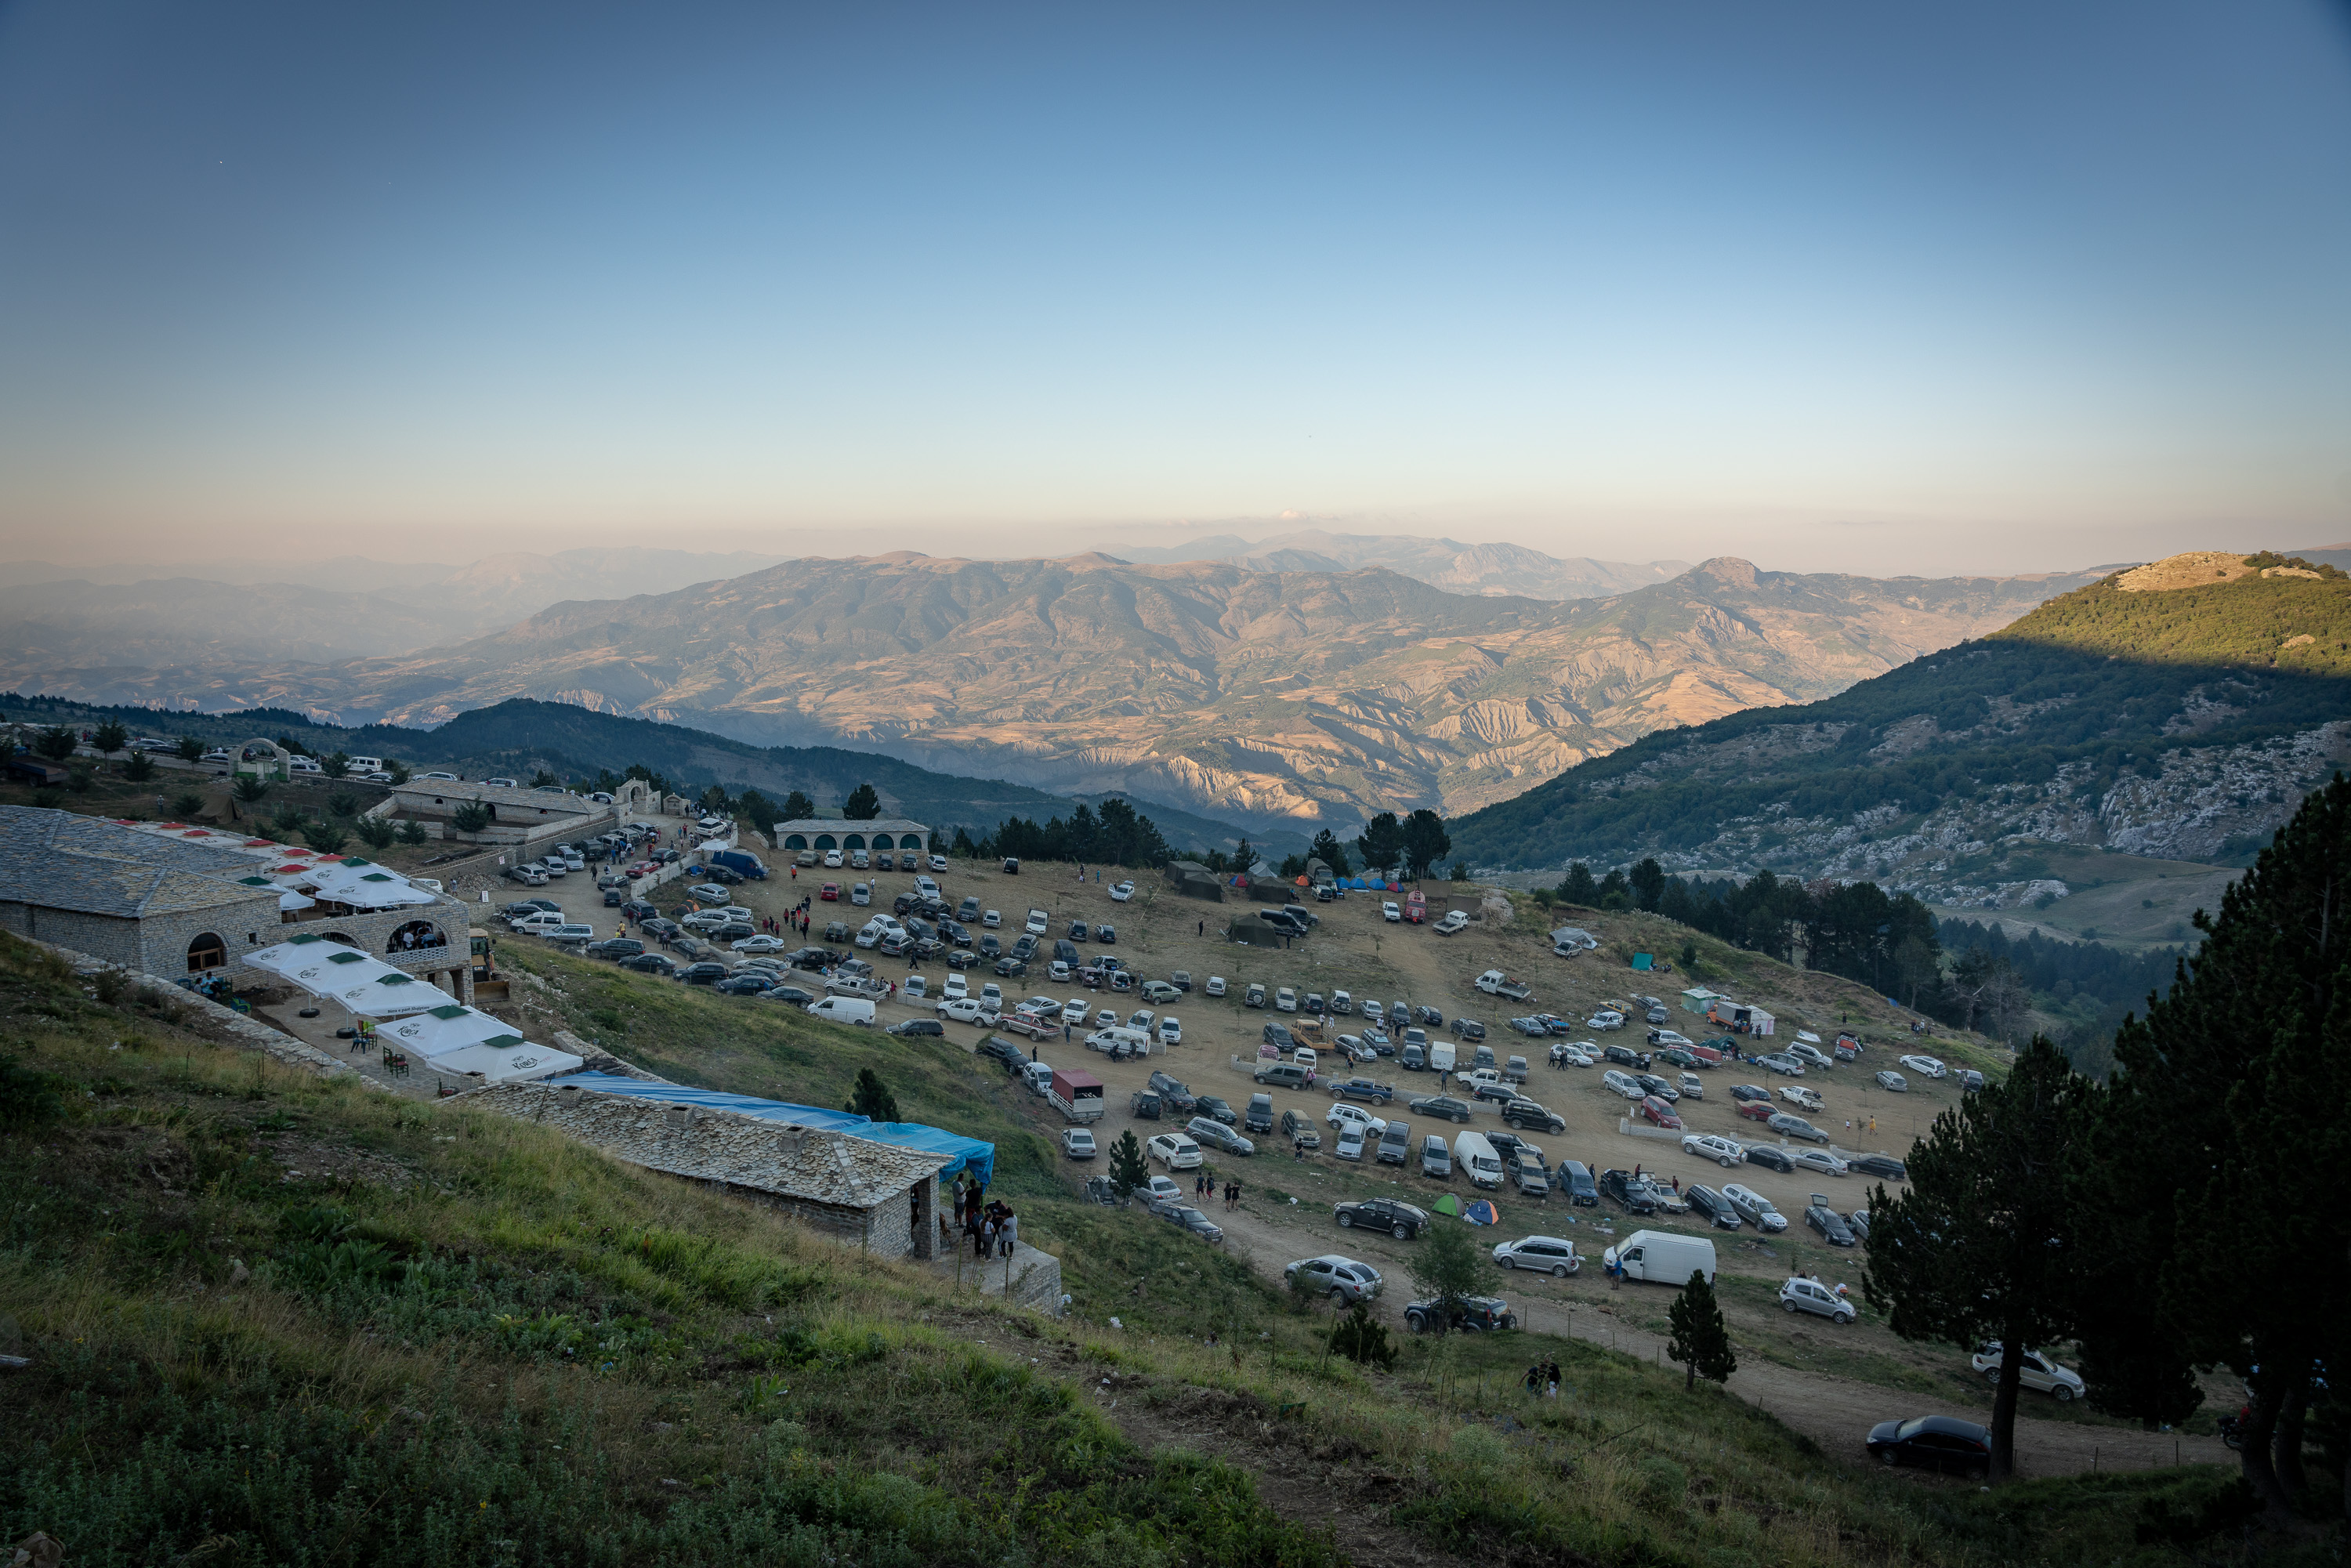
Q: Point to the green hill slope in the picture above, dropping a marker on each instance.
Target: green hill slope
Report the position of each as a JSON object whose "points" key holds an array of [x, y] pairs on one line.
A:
{"points": [[271, 1319], [2185, 722]]}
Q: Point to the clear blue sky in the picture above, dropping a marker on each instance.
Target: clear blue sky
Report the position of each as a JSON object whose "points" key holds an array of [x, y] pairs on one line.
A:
{"points": [[1896, 288]]}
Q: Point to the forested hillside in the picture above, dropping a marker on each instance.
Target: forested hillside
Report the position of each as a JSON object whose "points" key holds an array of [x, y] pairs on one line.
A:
{"points": [[1914, 777]]}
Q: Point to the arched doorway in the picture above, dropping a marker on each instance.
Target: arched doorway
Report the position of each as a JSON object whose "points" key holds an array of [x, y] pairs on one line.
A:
{"points": [[415, 935], [852, 842], [795, 840], [207, 952], [910, 841], [344, 938], [825, 841]]}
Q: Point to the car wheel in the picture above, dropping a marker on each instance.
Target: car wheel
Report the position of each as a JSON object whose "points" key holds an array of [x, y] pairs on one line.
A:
{"points": [[1415, 1323], [1559, 1271], [2064, 1394], [1400, 1230], [1729, 1165], [1346, 1221], [1790, 1306], [1992, 1375], [1845, 1317], [1885, 1457], [1338, 1294]]}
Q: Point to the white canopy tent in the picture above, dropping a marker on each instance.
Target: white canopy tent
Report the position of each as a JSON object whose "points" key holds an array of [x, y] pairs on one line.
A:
{"points": [[349, 979], [361, 884], [446, 1028], [506, 1063]]}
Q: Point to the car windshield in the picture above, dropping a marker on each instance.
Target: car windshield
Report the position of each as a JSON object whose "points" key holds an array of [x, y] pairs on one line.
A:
{"points": [[1911, 1428]]}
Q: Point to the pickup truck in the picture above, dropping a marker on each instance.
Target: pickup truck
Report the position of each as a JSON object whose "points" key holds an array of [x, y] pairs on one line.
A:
{"points": [[1454, 923], [1077, 1095], [1035, 1026], [871, 990], [1037, 922], [1495, 983], [1363, 1088]]}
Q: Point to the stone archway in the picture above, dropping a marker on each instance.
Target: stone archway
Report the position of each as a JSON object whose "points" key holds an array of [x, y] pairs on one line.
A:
{"points": [[852, 841], [825, 841], [910, 841], [796, 840], [207, 952], [414, 935]]}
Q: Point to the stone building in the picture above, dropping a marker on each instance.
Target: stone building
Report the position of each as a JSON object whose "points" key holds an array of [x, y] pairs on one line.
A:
{"points": [[884, 1197], [175, 900], [518, 817], [846, 834]]}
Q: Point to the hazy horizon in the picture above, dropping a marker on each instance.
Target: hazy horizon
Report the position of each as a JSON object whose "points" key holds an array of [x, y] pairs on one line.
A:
{"points": [[1830, 287]]}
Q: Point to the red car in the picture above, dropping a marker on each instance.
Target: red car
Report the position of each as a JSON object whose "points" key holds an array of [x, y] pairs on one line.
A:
{"points": [[832, 893], [1756, 1109], [1657, 1111]]}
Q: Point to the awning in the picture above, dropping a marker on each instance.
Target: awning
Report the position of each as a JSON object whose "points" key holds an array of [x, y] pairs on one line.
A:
{"points": [[361, 884]]}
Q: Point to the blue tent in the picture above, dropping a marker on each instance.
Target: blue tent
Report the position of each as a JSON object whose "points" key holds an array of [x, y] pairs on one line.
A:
{"points": [[1481, 1213], [969, 1154]]}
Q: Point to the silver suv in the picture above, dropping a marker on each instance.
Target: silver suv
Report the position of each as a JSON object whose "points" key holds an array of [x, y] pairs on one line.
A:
{"points": [[1755, 1208], [1333, 1275]]}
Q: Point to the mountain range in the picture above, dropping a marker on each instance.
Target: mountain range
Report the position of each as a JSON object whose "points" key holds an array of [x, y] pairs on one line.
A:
{"points": [[2181, 710], [1488, 569], [1265, 698]]}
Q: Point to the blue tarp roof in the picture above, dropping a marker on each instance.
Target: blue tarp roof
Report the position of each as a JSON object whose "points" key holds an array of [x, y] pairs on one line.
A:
{"points": [[967, 1154]]}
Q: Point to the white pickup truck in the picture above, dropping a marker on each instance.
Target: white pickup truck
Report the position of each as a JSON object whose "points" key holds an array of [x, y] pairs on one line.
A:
{"points": [[1454, 923], [1495, 983]]}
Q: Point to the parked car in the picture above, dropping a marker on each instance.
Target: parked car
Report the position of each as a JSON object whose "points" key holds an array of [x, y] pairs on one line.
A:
{"points": [[1364, 1089], [1658, 1087], [1755, 1208], [1468, 1314], [906, 1027], [1771, 1157], [1780, 1063], [1933, 1442], [1823, 1217], [1822, 1160], [1523, 1112], [1656, 1111], [1397, 1217], [2060, 1383], [1179, 1099], [1789, 1126], [1859, 1220], [1300, 1132], [1574, 1180], [651, 963], [1717, 1208], [1341, 1278], [1541, 1254], [1750, 1092], [1810, 1055], [1628, 1192], [1892, 1082], [1800, 1295], [1443, 1105], [1216, 1135], [1342, 1114], [1924, 1066], [1185, 1217], [1885, 1166], [1176, 1151], [1755, 1110]]}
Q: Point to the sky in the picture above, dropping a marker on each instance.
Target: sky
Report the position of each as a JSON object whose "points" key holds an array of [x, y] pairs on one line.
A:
{"points": [[1996, 288]]}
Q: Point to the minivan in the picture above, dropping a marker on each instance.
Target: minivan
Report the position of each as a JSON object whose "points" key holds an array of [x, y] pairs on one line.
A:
{"points": [[1396, 1144], [1624, 1084], [842, 1010], [1282, 1075], [1477, 1159]]}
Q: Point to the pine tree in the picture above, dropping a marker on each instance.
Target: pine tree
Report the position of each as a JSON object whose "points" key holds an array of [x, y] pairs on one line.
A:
{"points": [[1331, 852], [1425, 841], [797, 808], [56, 743], [1127, 1171], [109, 738], [1578, 888], [1362, 1338], [1382, 842], [1449, 1266], [189, 749], [862, 805], [871, 1098], [1986, 1243], [1701, 1341]]}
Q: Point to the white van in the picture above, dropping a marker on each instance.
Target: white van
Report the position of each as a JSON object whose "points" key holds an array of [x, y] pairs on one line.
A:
{"points": [[375, 765], [842, 1010], [1473, 1157], [1659, 1255], [540, 924], [1440, 1056]]}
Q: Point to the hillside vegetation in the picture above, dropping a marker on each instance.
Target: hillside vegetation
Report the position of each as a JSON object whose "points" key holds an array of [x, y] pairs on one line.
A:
{"points": [[272, 1319], [1913, 778], [2261, 619]]}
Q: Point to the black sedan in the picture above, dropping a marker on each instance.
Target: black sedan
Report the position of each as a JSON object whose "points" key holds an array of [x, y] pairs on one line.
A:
{"points": [[742, 985], [962, 958], [1216, 1108], [1011, 969], [1189, 1218], [1443, 1105], [1749, 1091], [788, 994], [1828, 1222], [1771, 1156], [614, 947], [1933, 1442], [1885, 1166], [1658, 1087], [649, 964], [705, 973], [1399, 1219], [905, 1027]]}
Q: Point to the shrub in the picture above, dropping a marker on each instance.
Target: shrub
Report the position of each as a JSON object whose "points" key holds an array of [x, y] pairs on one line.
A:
{"points": [[187, 804], [139, 769], [375, 833], [325, 837]]}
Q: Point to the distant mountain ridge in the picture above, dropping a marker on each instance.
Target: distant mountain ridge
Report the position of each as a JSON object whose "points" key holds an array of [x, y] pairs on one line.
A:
{"points": [[1449, 564], [2180, 722], [1270, 698]]}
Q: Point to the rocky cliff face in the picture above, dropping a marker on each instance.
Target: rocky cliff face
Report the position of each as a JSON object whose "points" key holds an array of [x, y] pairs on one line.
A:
{"points": [[1287, 696]]}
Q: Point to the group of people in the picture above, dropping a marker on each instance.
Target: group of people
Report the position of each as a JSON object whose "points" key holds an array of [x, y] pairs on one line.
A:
{"points": [[989, 1225], [1204, 1188], [1542, 1380]]}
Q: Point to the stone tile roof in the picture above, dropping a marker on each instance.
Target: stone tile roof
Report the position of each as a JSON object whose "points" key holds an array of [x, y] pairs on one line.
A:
{"points": [[424, 792], [709, 1144], [59, 860], [839, 825]]}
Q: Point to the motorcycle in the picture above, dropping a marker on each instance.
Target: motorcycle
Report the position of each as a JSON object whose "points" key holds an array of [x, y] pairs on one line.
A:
{"points": [[2232, 1430]]}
